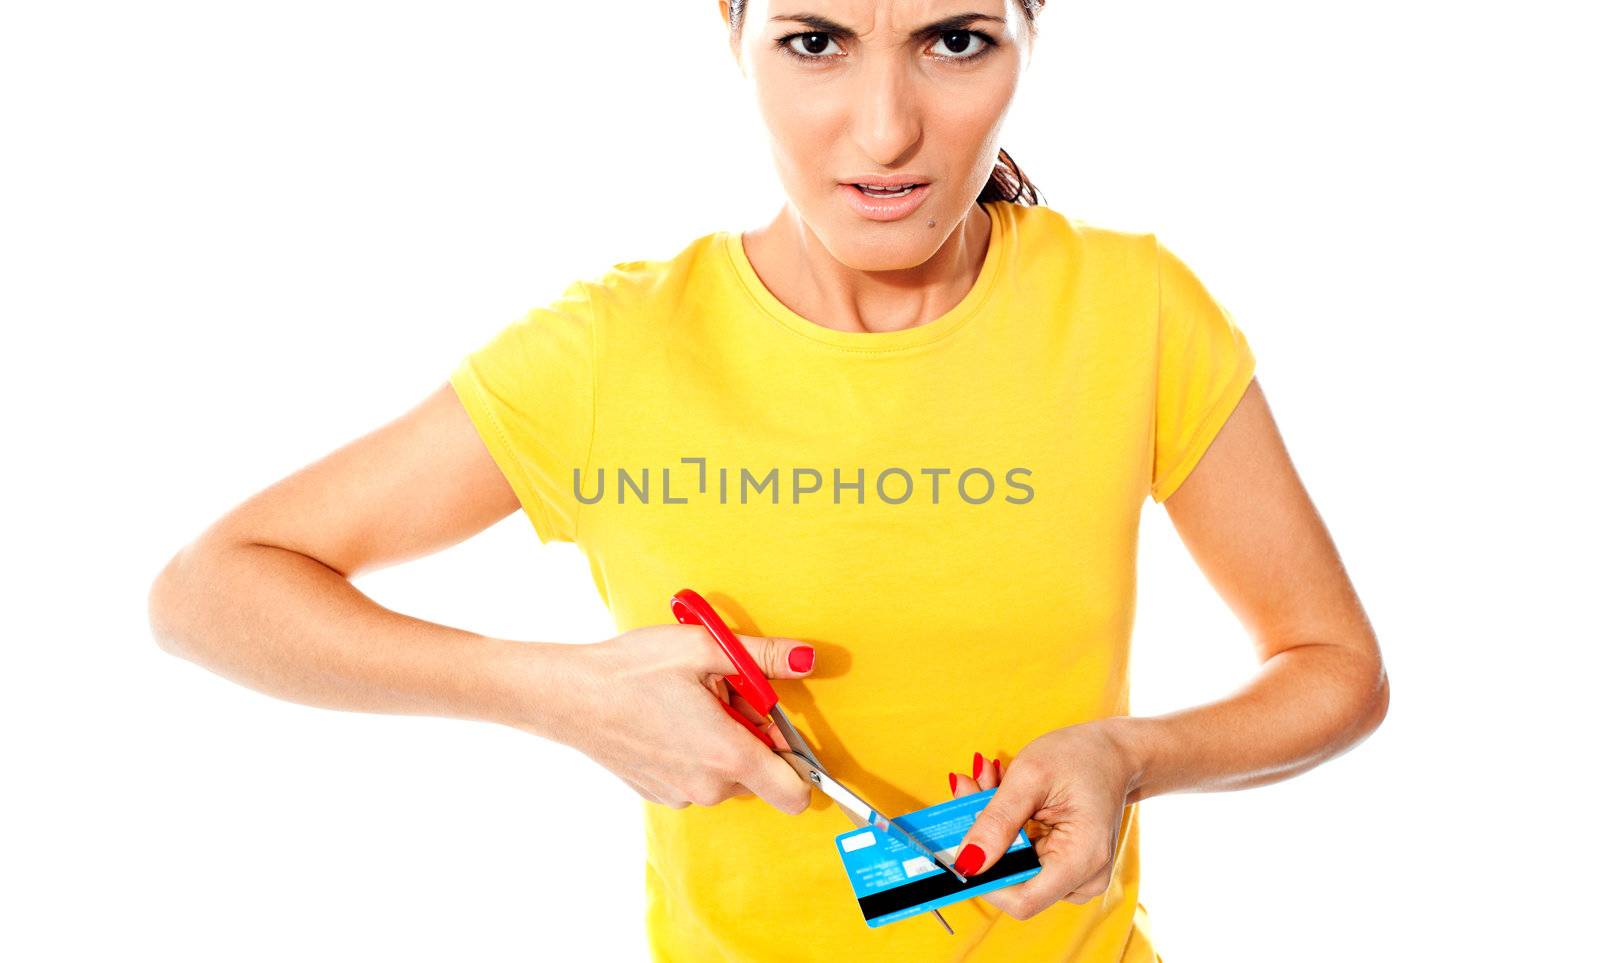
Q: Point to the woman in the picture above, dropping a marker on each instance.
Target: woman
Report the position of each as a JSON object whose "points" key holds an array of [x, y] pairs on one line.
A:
{"points": [[900, 437]]}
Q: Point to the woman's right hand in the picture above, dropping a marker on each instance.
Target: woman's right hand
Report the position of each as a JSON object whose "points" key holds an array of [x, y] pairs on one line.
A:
{"points": [[644, 705]]}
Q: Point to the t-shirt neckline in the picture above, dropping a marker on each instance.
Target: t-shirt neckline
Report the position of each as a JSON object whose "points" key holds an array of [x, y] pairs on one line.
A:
{"points": [[732, 243]]}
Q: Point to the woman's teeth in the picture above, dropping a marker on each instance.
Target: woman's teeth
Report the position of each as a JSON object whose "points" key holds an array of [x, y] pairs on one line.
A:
{"points": [[886, 191]]}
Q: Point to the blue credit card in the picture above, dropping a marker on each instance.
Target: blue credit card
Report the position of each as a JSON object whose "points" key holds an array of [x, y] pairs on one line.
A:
{"points": [[892, 881]]}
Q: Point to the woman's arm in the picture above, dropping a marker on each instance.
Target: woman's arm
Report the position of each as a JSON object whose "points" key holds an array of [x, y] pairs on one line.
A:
{"points": [[1251, 527], [263, 597]]}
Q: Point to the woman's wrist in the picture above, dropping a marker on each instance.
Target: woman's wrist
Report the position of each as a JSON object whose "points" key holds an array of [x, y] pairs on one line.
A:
{"points": [[1139, 739], [529, 686]]}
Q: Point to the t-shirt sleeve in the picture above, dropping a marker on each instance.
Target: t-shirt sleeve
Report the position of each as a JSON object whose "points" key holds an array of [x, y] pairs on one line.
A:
{"points": [[529, 391], [1204, 364]]}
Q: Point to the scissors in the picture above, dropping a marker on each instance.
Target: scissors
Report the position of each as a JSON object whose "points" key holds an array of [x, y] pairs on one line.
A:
{"points": [[751, 683]]}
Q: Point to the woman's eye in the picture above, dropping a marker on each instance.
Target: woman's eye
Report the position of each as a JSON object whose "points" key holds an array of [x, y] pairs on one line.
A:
{"points": [[963, 44], [814, 45]]}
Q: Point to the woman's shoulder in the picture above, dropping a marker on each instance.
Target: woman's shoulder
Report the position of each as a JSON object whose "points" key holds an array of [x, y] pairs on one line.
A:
{"points": [[653, 278], [1043, 232], [1042, 222]]}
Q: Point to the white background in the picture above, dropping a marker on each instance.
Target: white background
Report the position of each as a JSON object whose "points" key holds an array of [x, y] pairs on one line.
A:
{"points": [[236, 236]]}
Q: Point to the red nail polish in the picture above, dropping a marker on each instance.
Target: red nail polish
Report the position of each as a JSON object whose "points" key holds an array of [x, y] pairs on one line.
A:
{"points": [[970, 859], [952, 783], [996, 761], [977, 764], [801, 657]]}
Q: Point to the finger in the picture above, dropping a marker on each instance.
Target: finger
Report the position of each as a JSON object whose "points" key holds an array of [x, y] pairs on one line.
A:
{"points": [[766, 774], [759, 721], [777, 657], [962, 784], [776, 735], [989, 774], [1096, 885], [1004, 900], [1092, 890], [1073, 869], [762, 722], [997, 824], [746, 709], [1055, 879], [644, 793], [648, 789]]}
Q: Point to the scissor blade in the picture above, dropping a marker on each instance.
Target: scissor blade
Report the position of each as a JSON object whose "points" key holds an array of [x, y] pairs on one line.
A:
{"points": [[797, 742], [859, 811], [887, 825]]}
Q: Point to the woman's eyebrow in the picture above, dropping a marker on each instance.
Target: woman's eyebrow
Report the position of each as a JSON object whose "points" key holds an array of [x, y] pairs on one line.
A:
{"points": [[958, 22]]}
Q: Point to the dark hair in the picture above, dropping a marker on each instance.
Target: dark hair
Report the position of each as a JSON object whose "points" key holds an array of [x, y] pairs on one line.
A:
{"points": [[1006, 182]]}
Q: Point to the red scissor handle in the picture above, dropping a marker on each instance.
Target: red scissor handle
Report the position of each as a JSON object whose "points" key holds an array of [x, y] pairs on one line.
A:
{"points": [[749, 681]]}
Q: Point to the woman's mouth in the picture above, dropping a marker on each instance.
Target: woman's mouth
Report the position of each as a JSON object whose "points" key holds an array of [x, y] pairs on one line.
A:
{"points": [[872, 191], [885, 202]]}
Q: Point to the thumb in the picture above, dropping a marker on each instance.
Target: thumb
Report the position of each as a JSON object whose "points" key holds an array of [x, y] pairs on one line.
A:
{"points": [[779, 657], [1014, 802]]}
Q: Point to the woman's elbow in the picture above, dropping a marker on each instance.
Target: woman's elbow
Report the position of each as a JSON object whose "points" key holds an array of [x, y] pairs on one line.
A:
{"points": [[1375, 701], [166, 603]]}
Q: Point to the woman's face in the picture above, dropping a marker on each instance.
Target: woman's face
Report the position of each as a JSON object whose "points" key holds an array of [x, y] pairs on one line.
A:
{"points": [[911, 90]]}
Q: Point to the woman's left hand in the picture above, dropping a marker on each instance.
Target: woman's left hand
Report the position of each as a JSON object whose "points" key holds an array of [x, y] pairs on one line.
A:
{"points": [[1074, 782]]}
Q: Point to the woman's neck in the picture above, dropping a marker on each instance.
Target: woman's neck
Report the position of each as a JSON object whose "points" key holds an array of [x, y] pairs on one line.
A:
{"points": [[794, 265]]}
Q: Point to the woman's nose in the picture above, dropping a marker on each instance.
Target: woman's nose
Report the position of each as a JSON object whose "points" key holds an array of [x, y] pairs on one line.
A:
{"points": [[887, 114]]}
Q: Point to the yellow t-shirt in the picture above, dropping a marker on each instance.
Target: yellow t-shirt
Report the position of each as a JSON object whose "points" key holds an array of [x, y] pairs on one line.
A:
{"points": [[948, 512]]}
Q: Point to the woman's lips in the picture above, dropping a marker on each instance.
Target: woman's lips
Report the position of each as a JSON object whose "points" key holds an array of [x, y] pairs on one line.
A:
{"points": [[884, 208]]}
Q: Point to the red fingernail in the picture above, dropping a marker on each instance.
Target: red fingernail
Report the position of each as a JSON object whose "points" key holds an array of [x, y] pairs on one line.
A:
{"points": [[977, 764], [952, 782], [997, 765], [970, 859], [801, 657]]}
